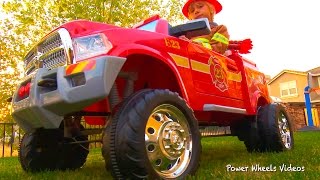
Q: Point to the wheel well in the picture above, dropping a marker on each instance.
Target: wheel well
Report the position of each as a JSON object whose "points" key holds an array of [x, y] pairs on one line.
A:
{"points": [[147, 72], [150, 72], [262, 101]]}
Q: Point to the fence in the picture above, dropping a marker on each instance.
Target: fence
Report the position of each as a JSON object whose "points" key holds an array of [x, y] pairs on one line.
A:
{"points": [[11, 134]]}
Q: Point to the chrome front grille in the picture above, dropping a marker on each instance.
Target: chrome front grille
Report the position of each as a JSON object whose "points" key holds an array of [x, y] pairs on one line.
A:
{"points": [[54, 59], [30, 56], [50, 43], [53, 51]]}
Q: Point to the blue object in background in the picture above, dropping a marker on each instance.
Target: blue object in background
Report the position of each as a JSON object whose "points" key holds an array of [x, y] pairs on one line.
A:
{"points": [[308, 105]]}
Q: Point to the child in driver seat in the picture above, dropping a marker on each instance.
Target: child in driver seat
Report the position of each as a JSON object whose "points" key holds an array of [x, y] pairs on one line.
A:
{"points": [[218, 39]]}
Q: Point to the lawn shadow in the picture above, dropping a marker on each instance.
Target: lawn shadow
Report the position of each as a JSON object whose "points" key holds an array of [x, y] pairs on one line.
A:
{"points": [[222, 149]]}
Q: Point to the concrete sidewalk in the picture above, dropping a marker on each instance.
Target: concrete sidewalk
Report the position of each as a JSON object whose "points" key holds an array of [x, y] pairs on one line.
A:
{"points": [[308, 128]]}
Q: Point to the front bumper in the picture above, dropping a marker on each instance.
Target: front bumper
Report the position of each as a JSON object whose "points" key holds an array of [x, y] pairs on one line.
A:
{"points": [[45, 107]]}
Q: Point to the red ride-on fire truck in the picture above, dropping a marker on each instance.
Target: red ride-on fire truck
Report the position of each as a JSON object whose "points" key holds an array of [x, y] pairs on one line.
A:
{"points": [[151, 90]]}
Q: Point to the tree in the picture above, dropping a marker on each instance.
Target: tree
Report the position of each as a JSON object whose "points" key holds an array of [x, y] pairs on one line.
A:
{"points": [[10, 67], [26, 21], [122, 13]]}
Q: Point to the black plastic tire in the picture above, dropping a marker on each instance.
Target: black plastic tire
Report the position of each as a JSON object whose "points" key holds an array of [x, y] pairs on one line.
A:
{"points": [[128, 151], [275, 128], [241, 129], [252, 138], [38, 151], [106, 145], [74, 155], [247, 131], [264, 133], [49, 150]]}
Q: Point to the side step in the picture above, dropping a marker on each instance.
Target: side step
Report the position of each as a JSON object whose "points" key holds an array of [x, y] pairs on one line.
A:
{"points": [[214, 131]]}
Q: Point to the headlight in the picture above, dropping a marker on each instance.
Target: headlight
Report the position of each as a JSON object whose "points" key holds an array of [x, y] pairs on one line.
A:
{"points": [[90, 46]]}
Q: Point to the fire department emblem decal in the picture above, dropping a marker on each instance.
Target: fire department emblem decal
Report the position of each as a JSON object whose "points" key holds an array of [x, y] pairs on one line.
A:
{"points": [[218, 74]]}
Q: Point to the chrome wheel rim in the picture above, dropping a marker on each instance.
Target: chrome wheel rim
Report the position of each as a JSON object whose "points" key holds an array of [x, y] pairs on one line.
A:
{"points": [[168, 141], [285, 131]]}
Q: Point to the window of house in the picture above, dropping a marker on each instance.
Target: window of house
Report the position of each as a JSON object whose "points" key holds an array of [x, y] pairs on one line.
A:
{"points": [[288, 89], [318, 81]]}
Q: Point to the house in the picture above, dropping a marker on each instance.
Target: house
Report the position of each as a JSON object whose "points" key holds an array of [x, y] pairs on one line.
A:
{"points": [[315, 83], [289, 86]]}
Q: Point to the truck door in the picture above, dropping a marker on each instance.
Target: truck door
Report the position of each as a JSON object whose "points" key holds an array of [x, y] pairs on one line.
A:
{"points": [[214, 74]]}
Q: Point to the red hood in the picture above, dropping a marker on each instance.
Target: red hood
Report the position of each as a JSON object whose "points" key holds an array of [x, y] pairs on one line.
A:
{"points": [[81, 27]]}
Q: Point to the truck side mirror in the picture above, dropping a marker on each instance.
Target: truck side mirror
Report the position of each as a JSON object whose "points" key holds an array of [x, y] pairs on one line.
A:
{"points": [[193, 28]]}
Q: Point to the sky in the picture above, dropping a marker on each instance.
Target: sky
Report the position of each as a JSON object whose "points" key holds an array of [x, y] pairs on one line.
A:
{"points": [[285, 33]]}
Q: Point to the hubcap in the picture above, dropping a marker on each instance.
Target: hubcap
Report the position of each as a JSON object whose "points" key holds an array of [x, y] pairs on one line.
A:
{"points": [[284, 131], [168, 141]]}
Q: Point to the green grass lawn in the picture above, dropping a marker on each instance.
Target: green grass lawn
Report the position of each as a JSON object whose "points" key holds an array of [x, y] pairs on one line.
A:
{"points": [[217, 153]]}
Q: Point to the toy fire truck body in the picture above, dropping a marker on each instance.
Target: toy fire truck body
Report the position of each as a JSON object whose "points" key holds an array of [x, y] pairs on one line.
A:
{"points": [[151, 91]]}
